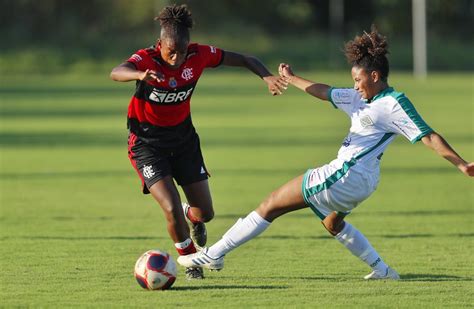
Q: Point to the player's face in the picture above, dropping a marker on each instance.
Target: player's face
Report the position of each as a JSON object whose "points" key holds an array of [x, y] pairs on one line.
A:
{"points": [[364, 82], [173, 52]]}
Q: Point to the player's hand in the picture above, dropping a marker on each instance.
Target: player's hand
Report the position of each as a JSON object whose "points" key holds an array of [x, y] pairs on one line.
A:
{"points": [[276, 85], [468, 169], [151, 75], [285, 71]]}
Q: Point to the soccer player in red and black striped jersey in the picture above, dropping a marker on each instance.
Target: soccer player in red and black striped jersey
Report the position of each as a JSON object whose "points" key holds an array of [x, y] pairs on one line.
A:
{"points": [[163, 143]]}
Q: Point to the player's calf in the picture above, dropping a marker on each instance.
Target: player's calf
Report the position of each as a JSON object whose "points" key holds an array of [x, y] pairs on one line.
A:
{"points": [[197, 228], [334, 223]]}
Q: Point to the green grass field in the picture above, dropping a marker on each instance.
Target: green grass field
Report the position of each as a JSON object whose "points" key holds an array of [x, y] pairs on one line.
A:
{"points": [[73, 220]]}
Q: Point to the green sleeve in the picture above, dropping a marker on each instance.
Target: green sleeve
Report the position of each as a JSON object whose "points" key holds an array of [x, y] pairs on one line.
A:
{"points": [[330, 97]]}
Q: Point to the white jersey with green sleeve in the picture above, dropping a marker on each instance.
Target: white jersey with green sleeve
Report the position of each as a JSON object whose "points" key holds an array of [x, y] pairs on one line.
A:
{"points": [[375, 124], [353, 176]]}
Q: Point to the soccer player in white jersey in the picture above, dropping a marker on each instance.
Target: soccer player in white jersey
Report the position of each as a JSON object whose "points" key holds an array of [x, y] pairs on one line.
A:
{"points": [[378, 114]]}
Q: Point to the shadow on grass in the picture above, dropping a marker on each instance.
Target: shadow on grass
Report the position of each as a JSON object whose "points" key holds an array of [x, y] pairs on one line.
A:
{"points": [[71, 218], [78, 139], [80, 238], [404, 213], [388, 236], [304, 278], [61, 139], [285, 237], [273, 237], [462, 235], [432, 278], [131, 172], [308, 214], [247, 139], [226, 172], [229, 287], [49, 113], [399, 236]]}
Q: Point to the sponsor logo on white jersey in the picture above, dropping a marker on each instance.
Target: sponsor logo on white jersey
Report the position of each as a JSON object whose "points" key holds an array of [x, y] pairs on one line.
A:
{"points": [[366, 121], [163, 96], [187, 73], [136, 58], [408, 128], [342, 95], [148, 171], [347, 141]]}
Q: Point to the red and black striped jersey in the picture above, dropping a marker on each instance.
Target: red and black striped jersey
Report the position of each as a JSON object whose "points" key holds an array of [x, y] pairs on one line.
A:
{"points": [[160, 111]]}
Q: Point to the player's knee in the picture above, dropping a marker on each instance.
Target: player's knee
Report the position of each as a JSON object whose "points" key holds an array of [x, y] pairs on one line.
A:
{"points": [[203, 212], [265, 205], [333, 223], [266, 208], [170, 212], [207, 215]]}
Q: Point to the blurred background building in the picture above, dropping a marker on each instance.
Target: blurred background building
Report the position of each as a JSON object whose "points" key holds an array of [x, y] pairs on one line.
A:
{"points": [[54, 36]]}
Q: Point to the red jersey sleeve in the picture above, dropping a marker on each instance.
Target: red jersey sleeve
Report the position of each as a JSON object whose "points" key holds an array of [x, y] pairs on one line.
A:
{"points": [[212, 56], [141, 59]]}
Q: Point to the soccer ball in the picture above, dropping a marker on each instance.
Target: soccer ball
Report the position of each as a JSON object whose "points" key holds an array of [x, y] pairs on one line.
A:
{"points": [[155, 270]]}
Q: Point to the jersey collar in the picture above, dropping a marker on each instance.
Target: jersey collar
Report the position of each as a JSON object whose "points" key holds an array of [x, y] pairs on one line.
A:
{"points": [[381, 94]]}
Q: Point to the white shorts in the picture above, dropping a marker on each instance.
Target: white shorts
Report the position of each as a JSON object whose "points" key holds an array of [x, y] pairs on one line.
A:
{"points": [[336, 186]]}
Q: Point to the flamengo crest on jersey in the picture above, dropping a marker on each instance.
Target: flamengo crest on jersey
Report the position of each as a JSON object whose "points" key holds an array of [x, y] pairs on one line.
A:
{"points": [[187, 73]]}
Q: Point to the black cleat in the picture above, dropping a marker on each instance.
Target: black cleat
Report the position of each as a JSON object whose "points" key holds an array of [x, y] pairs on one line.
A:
{"points": [[194, 273], [198, 230], [198, 233]]}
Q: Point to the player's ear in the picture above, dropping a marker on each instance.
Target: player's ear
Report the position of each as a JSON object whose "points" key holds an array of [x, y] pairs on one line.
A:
{"points": [[158, 43], [375, 75]]}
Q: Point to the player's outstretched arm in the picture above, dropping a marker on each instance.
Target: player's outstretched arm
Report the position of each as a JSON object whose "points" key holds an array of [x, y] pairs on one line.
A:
{"points": [[276, 85], [126, 72], [315, 89], [440, 146]]}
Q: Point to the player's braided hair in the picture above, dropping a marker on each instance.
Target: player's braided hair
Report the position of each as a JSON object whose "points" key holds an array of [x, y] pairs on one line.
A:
{"points": [[369, 52], [175, 21]]}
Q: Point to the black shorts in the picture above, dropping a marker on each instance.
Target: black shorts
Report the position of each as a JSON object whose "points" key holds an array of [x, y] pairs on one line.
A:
{"points": [[185, 164]]}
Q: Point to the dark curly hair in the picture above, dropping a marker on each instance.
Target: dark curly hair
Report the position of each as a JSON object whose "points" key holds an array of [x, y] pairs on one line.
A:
{"points": [[175, 21], [369, 52]]}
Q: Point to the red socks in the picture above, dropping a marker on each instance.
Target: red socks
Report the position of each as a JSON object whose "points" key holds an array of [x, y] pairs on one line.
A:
{"points": [[186, 247]]}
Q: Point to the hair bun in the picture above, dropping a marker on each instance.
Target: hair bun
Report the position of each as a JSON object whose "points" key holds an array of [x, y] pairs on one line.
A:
{"points": [[369, 51], [372, 45], [376, 43], [175, 15]]}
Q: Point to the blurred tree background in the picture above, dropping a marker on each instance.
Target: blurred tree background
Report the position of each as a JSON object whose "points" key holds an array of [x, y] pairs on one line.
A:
{"points": [[54, 36]]}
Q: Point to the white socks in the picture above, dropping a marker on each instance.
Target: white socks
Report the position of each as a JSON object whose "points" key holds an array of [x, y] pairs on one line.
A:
{"points": [[242, 231], [253, 225], [356, 242]]}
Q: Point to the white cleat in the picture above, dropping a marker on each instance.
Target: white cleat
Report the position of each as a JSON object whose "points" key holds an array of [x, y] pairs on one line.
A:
{"points": [[201, 259], [389, 274]]}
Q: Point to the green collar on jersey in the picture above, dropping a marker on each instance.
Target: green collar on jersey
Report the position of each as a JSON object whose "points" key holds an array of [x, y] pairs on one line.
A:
{"points": [[387, 91]]}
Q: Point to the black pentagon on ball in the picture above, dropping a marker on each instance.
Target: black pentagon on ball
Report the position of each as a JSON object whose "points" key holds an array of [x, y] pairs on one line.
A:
{"points": [[141, 282], [157, 262], [169, 283]]}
